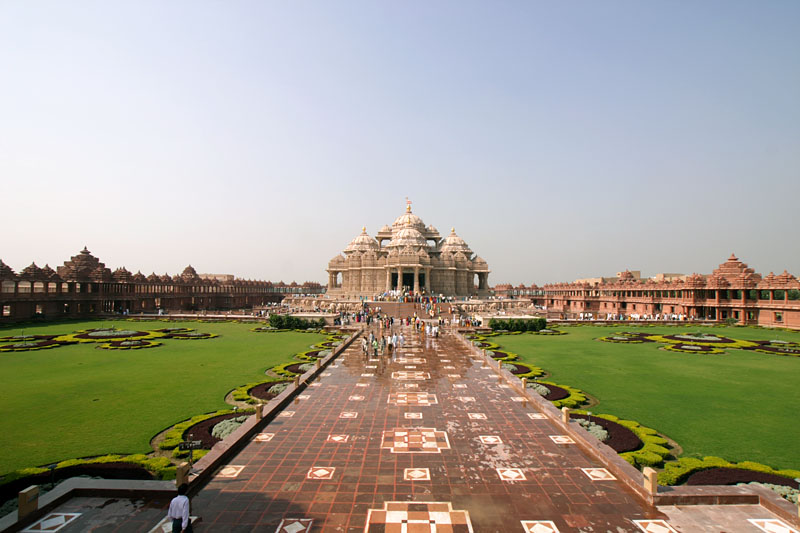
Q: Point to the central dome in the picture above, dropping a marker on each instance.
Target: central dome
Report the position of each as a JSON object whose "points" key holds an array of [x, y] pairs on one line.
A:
{"points": [[407, 237], [408, 220]]}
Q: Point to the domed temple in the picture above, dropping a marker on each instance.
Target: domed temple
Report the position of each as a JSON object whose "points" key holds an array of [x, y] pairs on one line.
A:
{"points": [[407, 257]]}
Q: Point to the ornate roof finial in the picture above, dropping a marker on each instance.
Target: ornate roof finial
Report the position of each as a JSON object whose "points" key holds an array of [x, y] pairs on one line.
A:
{"points": [[363, 229], [408, 205]]}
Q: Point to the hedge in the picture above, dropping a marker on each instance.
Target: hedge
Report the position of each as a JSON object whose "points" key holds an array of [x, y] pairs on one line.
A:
{"points": [[293, 322], [677, 472], [518, 324], [161, 467]]}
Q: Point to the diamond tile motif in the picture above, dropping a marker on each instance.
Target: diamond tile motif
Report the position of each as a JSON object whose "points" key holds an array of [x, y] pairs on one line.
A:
{"points": [[454, 376], [230, 471], [654, 526], [598, 474], [53, 522], [362, 384], [491, 439], [537, 416], [444, 360], [410, 385], [415, 440], [449, 367], [410, 375], [466, 399], [348, 414], [303, 397], [417, 474], [294, 525], [337, 438], [412, 399], [320, 472], [539, 526], [315, 384], [460, 386], [562, 439], [263, 437], [413, 416], [356, 398], [511, 474], [412, 517], [165, 526], [772, 525], [410, 367], [286, 414], [476, 416], [325, 374], [519, 399], [409, 360], [367, 375]]}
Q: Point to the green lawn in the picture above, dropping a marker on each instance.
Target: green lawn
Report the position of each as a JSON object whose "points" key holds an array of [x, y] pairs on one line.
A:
{"points": [[740, 406], [79, 401]]}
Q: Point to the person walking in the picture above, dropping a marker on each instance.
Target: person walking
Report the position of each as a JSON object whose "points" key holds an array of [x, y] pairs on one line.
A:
{"points": [[179, 511]]}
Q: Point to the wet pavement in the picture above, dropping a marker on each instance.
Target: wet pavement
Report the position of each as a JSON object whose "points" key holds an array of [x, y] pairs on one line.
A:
{"points": [[425, 440]]}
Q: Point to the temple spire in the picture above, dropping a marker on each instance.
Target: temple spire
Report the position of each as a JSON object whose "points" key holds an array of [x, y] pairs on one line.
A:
{"points": [[408, 205]]}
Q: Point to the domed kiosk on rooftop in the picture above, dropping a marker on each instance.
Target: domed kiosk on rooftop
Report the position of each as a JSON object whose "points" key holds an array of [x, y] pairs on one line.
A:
{"points": [[407, 256]]}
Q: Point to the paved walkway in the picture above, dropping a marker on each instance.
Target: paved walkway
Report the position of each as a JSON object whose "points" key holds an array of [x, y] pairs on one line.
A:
{"points": [[428, 440]]}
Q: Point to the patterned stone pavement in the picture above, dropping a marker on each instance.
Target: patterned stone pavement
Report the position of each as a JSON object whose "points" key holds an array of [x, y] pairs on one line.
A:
{"points": [[427, 440]]}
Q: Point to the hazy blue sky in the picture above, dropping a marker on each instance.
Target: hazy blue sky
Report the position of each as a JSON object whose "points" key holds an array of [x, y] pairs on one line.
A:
{"points": [[561, 139]]}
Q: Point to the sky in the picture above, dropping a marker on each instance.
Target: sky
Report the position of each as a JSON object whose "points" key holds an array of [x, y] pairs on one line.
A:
{"points": [[562, 140]]}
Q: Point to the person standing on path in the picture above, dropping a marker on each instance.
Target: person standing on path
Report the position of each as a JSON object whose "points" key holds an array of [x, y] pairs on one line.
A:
{"points": [[179, 511]]}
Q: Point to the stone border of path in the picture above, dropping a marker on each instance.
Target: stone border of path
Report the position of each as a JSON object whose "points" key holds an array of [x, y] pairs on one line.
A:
{"points": [[632, 477], [202, 471]]}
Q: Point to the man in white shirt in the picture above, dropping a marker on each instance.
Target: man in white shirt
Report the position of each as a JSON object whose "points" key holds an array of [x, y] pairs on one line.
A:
{"points": [[179, 511]]}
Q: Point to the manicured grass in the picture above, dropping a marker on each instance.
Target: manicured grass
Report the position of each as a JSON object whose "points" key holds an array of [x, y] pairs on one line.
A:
{"points": [[740, 406], [79, 401]]}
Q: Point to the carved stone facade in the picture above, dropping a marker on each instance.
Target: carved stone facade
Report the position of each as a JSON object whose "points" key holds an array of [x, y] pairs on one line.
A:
{"points": [[732, 292], [407, 257], [85, 287]]}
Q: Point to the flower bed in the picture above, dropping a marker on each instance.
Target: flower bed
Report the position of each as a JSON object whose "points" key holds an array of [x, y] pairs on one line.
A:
{"points": [[103, 335], [679, 471], [573, 398], [691, 348], [620, 438], [191, 335], [28, 345], [135, 466], [626, 339], [522, 370], [776, 347], [131, 344], [733, 476], [263, 391]]}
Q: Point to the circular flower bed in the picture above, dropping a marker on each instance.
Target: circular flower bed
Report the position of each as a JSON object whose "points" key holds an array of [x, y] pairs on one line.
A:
{"points": [[174, 330], [101, 335], [776, 347], [194, 335], [263, 329], [691, 348], [129, 344], [625, 339], [699, 337], [28, 345], [548, 332], [19, 338]]}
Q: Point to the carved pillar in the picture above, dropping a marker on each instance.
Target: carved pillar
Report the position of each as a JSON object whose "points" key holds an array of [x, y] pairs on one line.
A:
{"points": [[416, 280], [399, 279], [388, 279], [428, 280]]}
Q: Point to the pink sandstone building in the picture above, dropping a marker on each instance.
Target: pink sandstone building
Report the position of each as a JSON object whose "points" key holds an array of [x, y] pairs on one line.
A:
{"points": [[732, 292], [84, 287]]}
